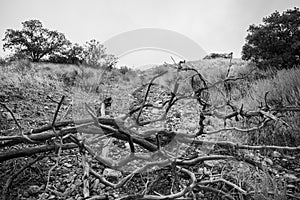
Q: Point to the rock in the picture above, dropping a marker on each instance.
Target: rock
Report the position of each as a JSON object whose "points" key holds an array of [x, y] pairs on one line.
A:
{"points": [[268, 161], [200, 171], [297, 170], [26, 194], [68, 165], [34, 189], [191, 126], [52, 197], [177, 115], [290, 186], [206, 171], [8, 116], [159, 102], [44, 195], [276, 154], [102, 186], [127, 145], [211, 163], [291, 177], [95, 185], [155, 111], [111, 173]]}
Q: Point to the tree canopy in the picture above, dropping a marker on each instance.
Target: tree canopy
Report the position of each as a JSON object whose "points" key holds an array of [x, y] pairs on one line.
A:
{"points": [[95, 55], [72, 54], [34, 41], [276, 42]]}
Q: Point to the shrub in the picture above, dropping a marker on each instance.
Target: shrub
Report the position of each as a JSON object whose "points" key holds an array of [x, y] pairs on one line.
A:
{"points": [[275, 43]]}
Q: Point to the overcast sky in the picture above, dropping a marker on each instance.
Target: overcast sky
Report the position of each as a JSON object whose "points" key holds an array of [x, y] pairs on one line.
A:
{"points": [[215, 25]]}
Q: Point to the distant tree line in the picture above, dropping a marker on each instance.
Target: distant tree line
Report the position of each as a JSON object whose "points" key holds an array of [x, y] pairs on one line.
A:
{"points": [[218, 55], [274, 44], [36, 43]]}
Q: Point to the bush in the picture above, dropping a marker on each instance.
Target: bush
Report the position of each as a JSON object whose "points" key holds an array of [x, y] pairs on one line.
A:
{"points": [[276, 42], [284, 90], [124, 69], [2, 62]]}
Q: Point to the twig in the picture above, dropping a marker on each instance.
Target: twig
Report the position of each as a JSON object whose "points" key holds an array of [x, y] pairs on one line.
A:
{"points": [[11, 179], [12, 114], [210, 189], [54, 166], [57, 110], [85, 177], [226, 182], [17, 123], [31, 151], [146, 95]]}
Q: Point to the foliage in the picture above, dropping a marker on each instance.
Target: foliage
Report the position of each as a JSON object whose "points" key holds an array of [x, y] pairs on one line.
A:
{"points": [[73, 54], [124, 69], [34, 41], [276, 42], [2, 61], [95, 55], [218, 55]]}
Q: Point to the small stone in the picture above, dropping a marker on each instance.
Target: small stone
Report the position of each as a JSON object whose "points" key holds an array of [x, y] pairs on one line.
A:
{"points": [[276, 154], [200, 171], [291, 177], [206, 171], [44, 195], [268, 161], [26, 194], [68, 165], [7, 116], [191, 126], [159, 102], [52, 197], [111, 173], [102, 186], [297, 170], [34, 189], [211, 163], [290, 186], [155, 111], [95, 185], [127, 145]]}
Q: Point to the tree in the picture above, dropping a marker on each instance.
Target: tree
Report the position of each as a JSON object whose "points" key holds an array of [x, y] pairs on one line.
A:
{"points": [[34, 41], [95, 55], [73, 54], [276, 42]]}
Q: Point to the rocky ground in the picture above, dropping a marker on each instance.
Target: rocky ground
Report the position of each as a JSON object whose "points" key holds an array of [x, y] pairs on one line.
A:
{"points": [[35, 107]]}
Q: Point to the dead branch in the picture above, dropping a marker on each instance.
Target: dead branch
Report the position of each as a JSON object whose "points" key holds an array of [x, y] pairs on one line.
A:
{"points": [[33, 150]]}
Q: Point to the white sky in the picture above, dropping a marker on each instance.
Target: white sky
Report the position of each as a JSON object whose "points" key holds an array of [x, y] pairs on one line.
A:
{"points": [[215, 25]]}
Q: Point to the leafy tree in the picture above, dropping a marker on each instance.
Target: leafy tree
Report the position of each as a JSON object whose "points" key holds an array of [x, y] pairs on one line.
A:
{"points": [[124, 69], [73, 54], [2, 61], [34, 41], [276, 42], [95, 55]]}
